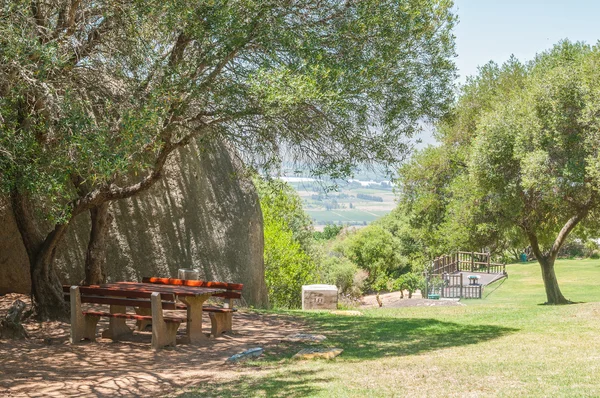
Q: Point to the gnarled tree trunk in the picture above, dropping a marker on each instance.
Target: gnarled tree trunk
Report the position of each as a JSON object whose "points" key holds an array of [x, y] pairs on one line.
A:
{"points": [[547, 258], [96, 251], [46, 289]]}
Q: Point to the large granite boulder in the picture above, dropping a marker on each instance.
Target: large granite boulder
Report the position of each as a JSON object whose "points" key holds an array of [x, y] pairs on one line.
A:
{"points": [[203, 214]]}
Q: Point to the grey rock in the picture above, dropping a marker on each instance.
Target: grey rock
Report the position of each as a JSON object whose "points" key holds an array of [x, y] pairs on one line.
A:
{"points": [[203, 214], [244, 356], [305, 337]]}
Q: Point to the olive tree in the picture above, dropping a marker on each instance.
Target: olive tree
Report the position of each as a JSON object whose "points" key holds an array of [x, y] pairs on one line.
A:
{"points": [[95, 96], [525, 141], [535, 162]]}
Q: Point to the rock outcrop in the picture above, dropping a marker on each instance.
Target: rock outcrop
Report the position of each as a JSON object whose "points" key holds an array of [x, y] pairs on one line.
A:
{"points": [[203, 214]]}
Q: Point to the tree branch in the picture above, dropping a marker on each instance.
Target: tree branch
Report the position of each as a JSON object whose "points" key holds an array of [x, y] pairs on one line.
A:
{"points": [[535, 246], [565, 231], [69, 24], [177, 53], [38, 15], [93, 39]]}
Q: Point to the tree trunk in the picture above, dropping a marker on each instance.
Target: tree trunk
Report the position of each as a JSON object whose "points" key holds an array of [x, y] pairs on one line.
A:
{"points": [[553, 293], [46, 288], [96, 252]]}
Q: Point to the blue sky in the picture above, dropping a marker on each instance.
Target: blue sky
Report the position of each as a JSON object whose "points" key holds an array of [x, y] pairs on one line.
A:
{"points": [[493, 30]]}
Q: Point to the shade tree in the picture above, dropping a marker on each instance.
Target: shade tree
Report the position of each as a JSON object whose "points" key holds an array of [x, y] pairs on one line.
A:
{"points": [[96, 96]]}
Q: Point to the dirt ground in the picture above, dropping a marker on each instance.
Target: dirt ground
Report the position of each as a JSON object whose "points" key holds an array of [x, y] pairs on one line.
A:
{"points": [[47, 365], [393, 300]]}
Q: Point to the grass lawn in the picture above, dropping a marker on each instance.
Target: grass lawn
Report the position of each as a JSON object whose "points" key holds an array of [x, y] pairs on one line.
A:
{"points": [[505, 345]]}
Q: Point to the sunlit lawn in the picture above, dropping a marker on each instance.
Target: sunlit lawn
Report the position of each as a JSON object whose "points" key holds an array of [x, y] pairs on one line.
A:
{"points": [[504, 345]]}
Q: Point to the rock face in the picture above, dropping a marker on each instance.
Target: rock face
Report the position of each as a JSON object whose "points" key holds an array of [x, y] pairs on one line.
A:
{"points": [[203, 214]]}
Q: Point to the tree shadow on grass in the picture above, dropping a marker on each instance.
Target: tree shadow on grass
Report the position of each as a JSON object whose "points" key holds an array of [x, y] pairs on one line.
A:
{"points": [[362, 338], [372, 338], [287, 383]]}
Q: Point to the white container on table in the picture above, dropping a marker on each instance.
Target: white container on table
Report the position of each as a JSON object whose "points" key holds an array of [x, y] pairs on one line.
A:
{"points": [[188, 273]]}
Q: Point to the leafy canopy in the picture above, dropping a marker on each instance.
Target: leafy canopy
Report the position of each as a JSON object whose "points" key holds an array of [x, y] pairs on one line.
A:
{"points": [[96, 95]]}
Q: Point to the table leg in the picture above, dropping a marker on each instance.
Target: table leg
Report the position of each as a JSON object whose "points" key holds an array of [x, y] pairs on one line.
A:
{"points": [[194, 318], [141, 325], [116, 326]]}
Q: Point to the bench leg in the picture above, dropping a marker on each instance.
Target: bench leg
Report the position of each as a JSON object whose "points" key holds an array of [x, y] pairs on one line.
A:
{"points": [[77, 318], [220, 322], [116, 326], [141, 325], [163, 333]]}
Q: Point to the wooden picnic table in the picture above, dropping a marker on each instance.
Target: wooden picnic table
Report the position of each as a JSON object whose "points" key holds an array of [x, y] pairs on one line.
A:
{"points": [[193, 297]]}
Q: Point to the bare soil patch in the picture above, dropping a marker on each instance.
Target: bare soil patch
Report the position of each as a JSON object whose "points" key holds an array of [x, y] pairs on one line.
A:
{"points": [[46, 364], [394, 300]]}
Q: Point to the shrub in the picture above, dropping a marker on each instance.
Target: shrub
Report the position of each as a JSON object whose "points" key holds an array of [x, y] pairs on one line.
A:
{"points": [[409, 281], [572, 248], [375, 250], [359, 282], [339, 271], [287, 266], [290, 254], [329, 232], [589, 247]]}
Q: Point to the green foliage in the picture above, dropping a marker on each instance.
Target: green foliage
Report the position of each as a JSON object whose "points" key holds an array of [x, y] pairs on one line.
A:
{"points": [[518, 161], [290, 258], [375, 250], [341, 272], [329, 232], [334, 83], [409, 281], [279, 201], [287, 265]]}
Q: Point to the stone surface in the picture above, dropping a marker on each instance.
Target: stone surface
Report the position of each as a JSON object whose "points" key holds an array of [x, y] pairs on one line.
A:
{"points": [[347, 313], [305, 337], [14, 266], [244, 356], [319, 297], [323, 353], [204, 214]]}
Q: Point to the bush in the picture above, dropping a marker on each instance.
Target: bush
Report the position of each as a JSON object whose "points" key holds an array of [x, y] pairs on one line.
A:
{"points": [[339, 271], [572, 248], [589, 247], [287, 266], [375, 250], [359, 282], [290, 255], [329, 232], [595, 254], [409, 281]]}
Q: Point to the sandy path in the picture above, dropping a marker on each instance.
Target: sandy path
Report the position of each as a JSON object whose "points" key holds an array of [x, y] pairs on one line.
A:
{"points": [[48, 365]]}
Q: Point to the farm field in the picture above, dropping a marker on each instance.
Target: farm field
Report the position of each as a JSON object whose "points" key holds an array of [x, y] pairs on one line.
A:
{"points": [[505, 345], [352, 204]]}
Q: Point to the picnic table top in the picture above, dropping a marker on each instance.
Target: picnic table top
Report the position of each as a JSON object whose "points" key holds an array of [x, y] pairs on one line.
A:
{"points": [[183, 291]]}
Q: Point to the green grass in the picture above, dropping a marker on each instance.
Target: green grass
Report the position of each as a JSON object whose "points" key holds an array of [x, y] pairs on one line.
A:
{"points": [[505, 345]]}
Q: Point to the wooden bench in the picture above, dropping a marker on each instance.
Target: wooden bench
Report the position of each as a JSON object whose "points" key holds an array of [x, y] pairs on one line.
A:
{"points": [[83, 323], [221, 317]]}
